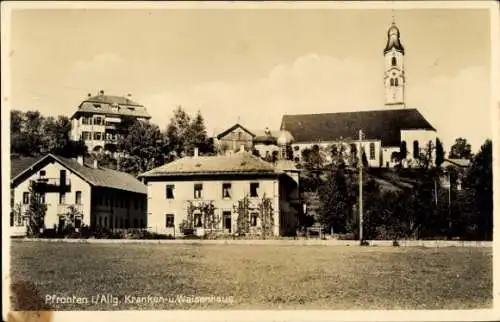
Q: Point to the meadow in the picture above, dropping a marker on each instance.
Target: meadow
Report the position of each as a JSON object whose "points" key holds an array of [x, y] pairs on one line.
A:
{"points": [[248, 277]]}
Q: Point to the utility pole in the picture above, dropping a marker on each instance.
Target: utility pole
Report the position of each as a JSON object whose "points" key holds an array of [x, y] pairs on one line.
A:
{"points": [[360, 165]]}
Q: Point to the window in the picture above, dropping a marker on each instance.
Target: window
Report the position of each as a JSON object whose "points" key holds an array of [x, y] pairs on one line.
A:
{"points": [[78, 222], [226, 219], [198, 187], [42, 198], [197, 220], [78, 197], [226, 190], [253, 219], [98, 136], [403, 152], [372, 151], [85, 120], [254, 189], [62, 198], [396, 82], [416, 149], [169, 220], [42, 173], [169, 191], [393, 61], [86, 135], [100, 221], [26, 198], [392, 81], [354, 149]]}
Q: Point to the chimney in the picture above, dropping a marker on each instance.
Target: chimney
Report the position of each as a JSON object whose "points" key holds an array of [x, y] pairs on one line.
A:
{"points": [[196, 152], [89, 94], [95, 164], [242, 148], [79, 159], [101, 92]]}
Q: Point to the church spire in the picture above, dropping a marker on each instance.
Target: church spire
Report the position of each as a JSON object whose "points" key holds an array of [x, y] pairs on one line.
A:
{"points": [[394, 75]]}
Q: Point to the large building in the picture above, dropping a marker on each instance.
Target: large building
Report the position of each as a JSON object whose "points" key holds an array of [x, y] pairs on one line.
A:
{"points": [[178, 192], [105, 198], [386, 132], [97, 118]]}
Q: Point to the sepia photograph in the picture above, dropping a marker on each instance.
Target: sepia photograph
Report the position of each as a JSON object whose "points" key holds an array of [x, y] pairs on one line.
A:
{"points": [[288, 160]]}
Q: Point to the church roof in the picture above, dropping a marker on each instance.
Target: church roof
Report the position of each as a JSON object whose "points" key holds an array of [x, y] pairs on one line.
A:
{"points": [[111, 105], [384, 125], [393, 40]]}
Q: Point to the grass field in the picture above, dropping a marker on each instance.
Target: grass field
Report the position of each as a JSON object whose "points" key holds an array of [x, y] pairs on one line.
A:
{"points": [[257, 277]]}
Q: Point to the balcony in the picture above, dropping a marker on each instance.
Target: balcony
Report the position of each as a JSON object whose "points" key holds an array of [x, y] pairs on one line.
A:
{"points": [[44, 184], [63, 209]]}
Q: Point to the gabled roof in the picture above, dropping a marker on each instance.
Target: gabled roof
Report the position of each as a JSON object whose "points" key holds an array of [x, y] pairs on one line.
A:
{"points": [[112, 105], [97, 177], [463, 163], [234, 164], [20, 164], [232, 128], [384, 125]]}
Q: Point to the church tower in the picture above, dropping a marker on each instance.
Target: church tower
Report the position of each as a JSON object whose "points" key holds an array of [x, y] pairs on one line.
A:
{"points": [[394, 74]]}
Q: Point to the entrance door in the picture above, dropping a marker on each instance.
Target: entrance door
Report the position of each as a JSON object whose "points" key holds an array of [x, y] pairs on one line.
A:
{"points": [[226, 219]]}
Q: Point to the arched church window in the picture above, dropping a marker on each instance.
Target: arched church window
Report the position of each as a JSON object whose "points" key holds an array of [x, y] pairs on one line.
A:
{"points": [[416, 149], [395, 82], [393, 61], [372, 151], [392, 81]]}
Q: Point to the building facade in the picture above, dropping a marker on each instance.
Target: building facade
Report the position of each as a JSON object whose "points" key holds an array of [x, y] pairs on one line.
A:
{"points": [[178, 193], [97, 119], [103, 197]]}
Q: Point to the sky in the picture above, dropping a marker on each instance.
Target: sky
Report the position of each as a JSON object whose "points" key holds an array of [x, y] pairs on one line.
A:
{"points": [[255, 65]]}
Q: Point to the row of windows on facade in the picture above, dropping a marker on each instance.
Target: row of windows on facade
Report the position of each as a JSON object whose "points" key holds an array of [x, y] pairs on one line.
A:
{"points": [[120, 223], [62, 198], [198, 190], [119, 202], [98, 136], [198, 220], [353, 149]]}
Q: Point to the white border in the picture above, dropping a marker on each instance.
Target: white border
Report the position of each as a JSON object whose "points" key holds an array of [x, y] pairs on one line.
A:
{"points": [[420, 315]]}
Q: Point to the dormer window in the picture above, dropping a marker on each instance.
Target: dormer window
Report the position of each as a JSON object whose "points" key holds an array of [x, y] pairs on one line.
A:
{"points": [[97, 105]]}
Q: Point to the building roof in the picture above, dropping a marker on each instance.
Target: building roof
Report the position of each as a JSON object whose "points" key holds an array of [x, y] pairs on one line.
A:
{"points": [[238, 163], [232, 128], [112, 105], [384, 125], [97, 177], [463, 163], [20, 164]]}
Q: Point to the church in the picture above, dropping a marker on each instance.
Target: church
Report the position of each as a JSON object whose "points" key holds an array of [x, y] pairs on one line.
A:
{"points": [[385, 132], [393, 135]]}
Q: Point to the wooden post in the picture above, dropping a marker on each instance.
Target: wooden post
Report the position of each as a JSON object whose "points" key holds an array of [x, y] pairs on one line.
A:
{"points": [[360, 165]]}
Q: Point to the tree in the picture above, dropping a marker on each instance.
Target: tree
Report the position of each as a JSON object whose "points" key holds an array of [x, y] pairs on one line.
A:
{"points": [[266, 216], [336, 201], [243, 219], [142, 146], [439, 153], [35, 214], [480, 180], [177, 132], [460, 150], [72, 219]]}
